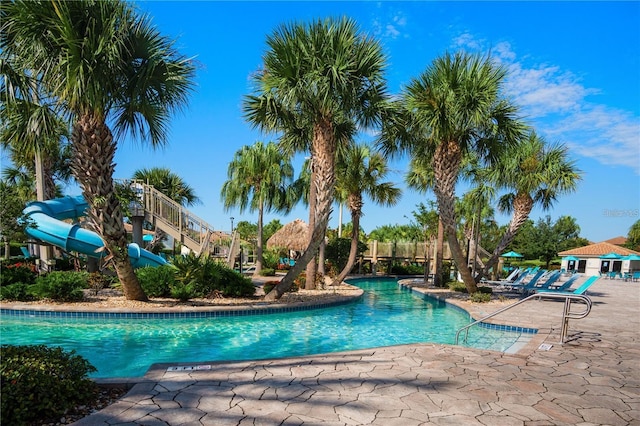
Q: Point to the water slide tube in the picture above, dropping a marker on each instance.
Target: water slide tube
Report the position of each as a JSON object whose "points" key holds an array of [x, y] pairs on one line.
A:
{"points": [[47, 217]]}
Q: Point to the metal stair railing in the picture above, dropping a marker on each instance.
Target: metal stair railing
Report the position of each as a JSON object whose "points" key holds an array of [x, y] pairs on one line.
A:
{"points": [[194, 232], [567, 314]]}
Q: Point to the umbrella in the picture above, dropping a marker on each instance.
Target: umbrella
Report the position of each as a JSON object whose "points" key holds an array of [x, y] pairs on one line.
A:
{"points": [[292, 236], [611, 255], [570, 258], [511, 254]]}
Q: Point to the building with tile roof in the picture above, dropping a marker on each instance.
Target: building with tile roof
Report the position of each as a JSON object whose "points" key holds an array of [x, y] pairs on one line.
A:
{"points": [[599, 258]]}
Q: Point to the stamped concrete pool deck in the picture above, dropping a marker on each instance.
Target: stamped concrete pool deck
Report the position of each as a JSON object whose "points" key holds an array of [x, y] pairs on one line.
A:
{"points": [[594, 379]]}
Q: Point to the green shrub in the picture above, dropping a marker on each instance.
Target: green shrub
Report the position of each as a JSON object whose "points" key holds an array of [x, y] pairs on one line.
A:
{"points": [[63, 286], [17, 273], [158, 281], [457, 286], [201, 276], [270, 259], [42, 383], [17, 291], [267, 272], [182, 291], [480, 297], [398, 269]]}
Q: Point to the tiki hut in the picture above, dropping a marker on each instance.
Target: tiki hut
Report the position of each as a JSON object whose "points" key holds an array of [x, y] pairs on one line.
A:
{"points": [[292, 236]]}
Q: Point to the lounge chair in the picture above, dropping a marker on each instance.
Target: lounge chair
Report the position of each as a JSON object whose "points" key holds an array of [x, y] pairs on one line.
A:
{"points": [[636, 276], [545, 282], [580, 290], [509, 279], [518, 281], [528, 286], [564, 286]]}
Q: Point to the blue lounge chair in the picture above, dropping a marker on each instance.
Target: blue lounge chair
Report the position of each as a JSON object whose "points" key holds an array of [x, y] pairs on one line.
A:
{"points": [[509, 279], [545, 282], [528, 286], [564, 286], [580, 290], [516, 282]]}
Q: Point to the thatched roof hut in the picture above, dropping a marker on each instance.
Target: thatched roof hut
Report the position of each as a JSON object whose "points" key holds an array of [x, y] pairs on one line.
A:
{"points": [[292, 236]]}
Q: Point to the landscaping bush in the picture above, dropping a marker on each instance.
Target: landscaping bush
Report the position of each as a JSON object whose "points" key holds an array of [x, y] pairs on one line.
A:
{"points": [[398, 269], [157, 282], [18, 272], [480, 297], [41, 383], [267, 272], [198, 276], [17, 291], [457, 286], [62, 286], [182, 291]]}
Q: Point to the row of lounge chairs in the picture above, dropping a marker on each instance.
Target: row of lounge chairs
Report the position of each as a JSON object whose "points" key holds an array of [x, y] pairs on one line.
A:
{"points": [[535, 280]]}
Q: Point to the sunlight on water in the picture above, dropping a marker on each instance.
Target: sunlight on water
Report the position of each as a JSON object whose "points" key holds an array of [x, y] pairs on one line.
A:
{"points": [[386, 315]]}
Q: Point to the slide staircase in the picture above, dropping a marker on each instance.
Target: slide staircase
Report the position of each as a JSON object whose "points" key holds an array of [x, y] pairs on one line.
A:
{"points": [[182, 225]]}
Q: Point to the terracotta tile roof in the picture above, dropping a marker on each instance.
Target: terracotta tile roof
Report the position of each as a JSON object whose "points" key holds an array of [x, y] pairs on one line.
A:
{"points": [[598, 249], [619, 241]]}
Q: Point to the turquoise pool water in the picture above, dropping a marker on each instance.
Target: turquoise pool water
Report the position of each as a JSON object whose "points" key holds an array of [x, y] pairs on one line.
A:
{"points": [[386, 315]]}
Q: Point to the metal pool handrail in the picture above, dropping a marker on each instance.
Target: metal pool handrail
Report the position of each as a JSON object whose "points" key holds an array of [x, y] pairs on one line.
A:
{"points": [[566, 314]]}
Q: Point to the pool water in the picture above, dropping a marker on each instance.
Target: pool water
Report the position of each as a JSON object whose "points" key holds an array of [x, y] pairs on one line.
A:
{"points": [[387, 314]]}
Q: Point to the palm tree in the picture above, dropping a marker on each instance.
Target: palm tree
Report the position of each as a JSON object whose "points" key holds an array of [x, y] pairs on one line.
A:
{"points": [[420, 177], [109, 69], [32, 131], [259, 178], [360, 172], [315, 78], [169, 183], [454, 107], [537, 174]]}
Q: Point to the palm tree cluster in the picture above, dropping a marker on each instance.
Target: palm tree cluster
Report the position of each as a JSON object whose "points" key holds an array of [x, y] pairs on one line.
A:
{"points": [[322, 81], [92, 71], [110, 73]]}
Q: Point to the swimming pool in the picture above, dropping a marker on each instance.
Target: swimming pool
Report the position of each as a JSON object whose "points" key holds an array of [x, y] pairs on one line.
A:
{"points": [[387, 314]]}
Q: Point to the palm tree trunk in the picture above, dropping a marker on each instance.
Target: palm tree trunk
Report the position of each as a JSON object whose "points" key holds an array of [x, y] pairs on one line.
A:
{"points": [[446, 165], [93, 167], [259, 242], [437, 276], [522, 206], [353, 250], [324, 150], [312, 267]]}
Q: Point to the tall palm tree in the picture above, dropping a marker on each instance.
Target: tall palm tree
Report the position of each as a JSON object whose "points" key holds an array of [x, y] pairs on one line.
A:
{"points": [[114, 74], [362, 172], [453, 107], [32, 131], [420, 177], [259, 178], [536, 173], [169, 183], [315, 77]]}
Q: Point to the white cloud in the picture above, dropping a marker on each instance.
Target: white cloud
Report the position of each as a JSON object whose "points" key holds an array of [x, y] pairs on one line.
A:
{"points": [[556, 102], [391, 27]]}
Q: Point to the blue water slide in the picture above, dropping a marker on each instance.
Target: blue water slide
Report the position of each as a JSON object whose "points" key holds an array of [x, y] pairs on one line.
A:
{"points": [[48, 226]]}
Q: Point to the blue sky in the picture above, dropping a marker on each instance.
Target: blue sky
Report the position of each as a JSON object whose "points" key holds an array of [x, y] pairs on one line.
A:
{"points": [[574, 68]]}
